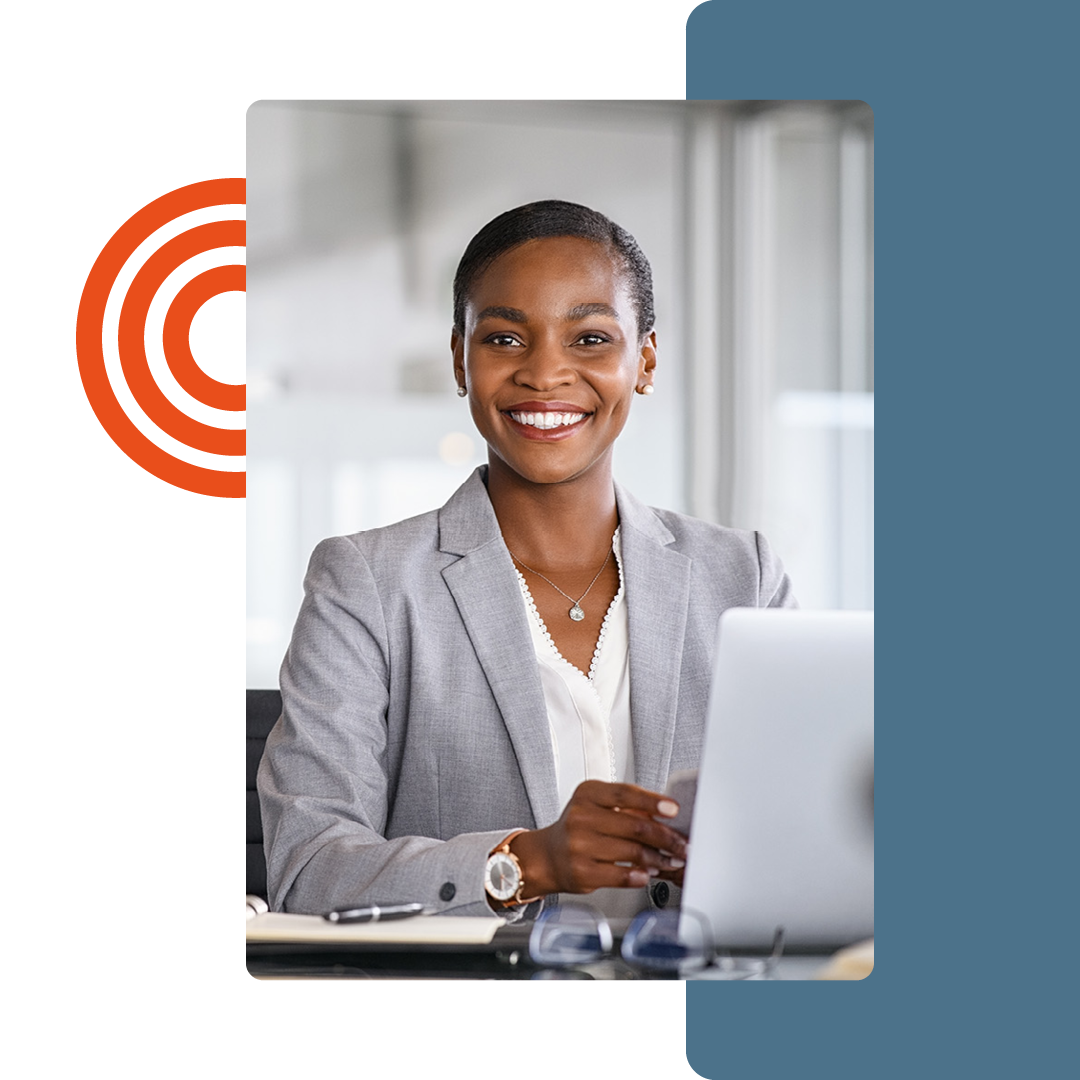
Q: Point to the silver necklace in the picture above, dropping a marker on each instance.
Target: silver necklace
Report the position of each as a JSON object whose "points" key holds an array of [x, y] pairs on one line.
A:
{"points": [[576, 613]]}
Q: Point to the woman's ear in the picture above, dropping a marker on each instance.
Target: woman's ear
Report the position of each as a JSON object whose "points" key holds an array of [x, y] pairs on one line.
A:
{"points": [[647, 363], [457, 350]]}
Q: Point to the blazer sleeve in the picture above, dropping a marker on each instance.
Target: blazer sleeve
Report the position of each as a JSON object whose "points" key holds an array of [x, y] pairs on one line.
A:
{"points": [[323, 782], [774, 586]]}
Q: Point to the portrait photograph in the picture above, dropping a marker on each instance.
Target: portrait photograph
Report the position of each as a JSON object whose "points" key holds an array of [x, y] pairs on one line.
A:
{"points": [[742, 263]]}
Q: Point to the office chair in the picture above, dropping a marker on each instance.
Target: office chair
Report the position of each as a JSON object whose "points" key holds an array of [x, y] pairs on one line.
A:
{"points": [[263, 709]]}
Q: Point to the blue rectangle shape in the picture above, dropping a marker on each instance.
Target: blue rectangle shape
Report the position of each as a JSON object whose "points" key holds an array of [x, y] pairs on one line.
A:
{"points": [[976, 380]]}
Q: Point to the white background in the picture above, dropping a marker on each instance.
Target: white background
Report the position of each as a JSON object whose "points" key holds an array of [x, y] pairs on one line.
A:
{"points": [[124, 622]]}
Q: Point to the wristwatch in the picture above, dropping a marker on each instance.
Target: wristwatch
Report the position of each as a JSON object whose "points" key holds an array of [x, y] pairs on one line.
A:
{"points": [[503, 878]]}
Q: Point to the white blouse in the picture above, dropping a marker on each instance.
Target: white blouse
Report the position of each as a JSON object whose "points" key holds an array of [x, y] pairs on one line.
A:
{"points": [[589, 719], [588, 715]]}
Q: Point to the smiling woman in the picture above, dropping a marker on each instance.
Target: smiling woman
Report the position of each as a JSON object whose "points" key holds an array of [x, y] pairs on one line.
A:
{"points": [[482, 705], [551, 353]]}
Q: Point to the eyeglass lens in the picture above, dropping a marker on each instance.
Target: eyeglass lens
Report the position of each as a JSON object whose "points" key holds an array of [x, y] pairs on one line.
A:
{"points": [[570, 934], [668, 941], [656, 940]]}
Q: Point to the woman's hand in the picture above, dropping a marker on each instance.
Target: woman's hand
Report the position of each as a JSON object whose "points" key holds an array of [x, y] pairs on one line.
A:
{"points": [[606, 837]]}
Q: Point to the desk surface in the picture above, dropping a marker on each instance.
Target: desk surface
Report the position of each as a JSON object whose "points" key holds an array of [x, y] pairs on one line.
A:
{"points": [[507, 957]]}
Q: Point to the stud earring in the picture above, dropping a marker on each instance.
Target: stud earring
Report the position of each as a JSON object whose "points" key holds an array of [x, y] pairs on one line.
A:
{"points": [[647, 388], [461, 391]]}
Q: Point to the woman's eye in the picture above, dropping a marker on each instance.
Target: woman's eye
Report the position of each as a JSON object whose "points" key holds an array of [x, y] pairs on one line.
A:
{"points": [[502, 339], [592, 339]]}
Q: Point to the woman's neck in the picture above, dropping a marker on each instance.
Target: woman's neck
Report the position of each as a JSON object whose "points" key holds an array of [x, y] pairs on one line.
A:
{"points": [[559, 526]]}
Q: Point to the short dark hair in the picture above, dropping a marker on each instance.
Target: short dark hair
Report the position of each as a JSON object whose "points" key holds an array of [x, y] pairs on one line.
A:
{"points": [[553, 218]]}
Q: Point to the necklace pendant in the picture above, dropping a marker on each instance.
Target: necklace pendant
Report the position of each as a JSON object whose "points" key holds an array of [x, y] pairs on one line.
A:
{"points": [[576, 613]]}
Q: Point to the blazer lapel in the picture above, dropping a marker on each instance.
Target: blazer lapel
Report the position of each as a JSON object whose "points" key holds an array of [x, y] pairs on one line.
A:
{"points": [[657, 598], [488, 598]]}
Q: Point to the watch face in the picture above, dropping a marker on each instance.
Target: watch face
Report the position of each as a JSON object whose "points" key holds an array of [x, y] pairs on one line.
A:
{"points": [[503, 877]]}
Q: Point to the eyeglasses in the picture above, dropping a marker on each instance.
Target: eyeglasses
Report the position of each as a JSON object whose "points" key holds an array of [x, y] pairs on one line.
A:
{"points": [[673, 942]]}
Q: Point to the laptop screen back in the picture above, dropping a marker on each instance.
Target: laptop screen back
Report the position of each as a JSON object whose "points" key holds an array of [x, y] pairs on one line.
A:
{"points": [[783, 825]]}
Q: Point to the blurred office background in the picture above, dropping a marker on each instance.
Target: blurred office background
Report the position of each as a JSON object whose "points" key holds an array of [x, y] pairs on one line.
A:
{"points": [[757, 218]]}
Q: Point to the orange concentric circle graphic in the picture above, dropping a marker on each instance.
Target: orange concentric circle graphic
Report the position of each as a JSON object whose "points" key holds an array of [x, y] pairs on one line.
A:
{"points": [[131, 338]]}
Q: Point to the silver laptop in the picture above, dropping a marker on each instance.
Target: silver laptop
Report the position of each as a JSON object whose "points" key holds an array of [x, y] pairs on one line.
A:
{"points": [[783, 821]]}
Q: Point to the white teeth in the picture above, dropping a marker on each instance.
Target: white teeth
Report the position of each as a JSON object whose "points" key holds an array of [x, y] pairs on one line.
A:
{"points": [[547, 420]]}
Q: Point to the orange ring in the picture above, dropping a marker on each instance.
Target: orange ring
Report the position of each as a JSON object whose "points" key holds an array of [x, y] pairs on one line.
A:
{"points": [[176, 338], [132, 335], [88, 332]]}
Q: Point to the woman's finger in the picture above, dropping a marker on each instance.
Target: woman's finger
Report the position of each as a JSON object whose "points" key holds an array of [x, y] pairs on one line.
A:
{"points": [[643, 856], [627, 797], [674, 876], [637, 827], [627, 811], [609, 875]]}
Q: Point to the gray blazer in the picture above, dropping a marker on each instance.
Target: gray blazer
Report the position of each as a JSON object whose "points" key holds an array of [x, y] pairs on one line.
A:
{"points": [[414, 734]]}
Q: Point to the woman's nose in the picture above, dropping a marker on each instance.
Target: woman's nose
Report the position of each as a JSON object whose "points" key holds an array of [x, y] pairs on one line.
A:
{"points": [[544, 366]]}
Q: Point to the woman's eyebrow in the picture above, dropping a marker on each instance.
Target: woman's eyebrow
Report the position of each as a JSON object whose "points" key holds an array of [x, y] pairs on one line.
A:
{"points": [[516, 315], [583, 311], [511, 314]]}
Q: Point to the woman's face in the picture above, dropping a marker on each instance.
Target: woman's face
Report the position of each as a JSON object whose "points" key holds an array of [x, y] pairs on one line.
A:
{"points": [[551, 357]]}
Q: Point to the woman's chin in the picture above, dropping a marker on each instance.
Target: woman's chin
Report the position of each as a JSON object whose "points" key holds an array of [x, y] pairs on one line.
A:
{"points": [[545, 470]]}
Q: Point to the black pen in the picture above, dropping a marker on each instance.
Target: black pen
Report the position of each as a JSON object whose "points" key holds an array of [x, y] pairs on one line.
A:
{"points": [[376, 913]]}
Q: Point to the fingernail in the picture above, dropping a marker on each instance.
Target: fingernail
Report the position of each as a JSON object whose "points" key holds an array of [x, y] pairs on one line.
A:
{"points": [[638, 877], [667, 808], [653, 871], [676, 864]]}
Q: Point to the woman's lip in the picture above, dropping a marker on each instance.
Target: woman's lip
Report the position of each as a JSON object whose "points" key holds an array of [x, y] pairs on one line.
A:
{"points": [[545, 406], [555, 434]]}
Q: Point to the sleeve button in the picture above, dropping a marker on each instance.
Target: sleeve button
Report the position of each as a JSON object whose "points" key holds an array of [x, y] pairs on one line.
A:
{"points": [[661, 894], [448, 891]]}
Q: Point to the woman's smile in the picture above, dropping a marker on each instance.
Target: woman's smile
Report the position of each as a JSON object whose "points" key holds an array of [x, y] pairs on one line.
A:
{"points": [[546, 420]]}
